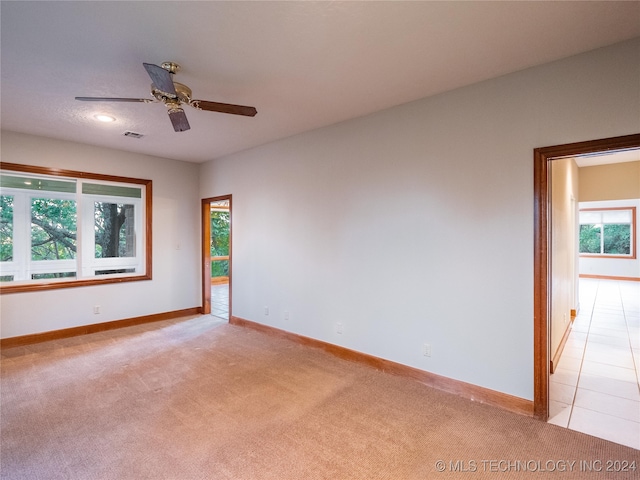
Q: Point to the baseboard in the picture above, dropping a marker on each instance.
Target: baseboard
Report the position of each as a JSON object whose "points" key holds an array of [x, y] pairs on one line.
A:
{"points": [[94, 328], [556, 358], [610, 277], [463, 389]]}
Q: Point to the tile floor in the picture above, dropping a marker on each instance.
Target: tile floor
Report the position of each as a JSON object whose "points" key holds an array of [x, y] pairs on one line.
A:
{"points": [[220, 301], [596, 387]]}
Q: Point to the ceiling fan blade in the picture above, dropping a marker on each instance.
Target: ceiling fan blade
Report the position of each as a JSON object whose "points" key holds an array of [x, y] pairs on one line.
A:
{"points": [[179, 120], [105, 99], [223, 108], [161, 78]]}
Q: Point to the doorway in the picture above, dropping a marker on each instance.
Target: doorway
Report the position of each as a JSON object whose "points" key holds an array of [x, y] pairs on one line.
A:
{"points": [[216, 256], [542, 253]]}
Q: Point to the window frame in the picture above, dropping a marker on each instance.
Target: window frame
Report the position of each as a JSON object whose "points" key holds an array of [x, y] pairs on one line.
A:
{"points": [[633, 241], [43, 285]]}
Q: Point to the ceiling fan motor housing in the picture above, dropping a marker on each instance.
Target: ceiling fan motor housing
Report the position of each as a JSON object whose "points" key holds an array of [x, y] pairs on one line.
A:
{"points": [[183, 93]]}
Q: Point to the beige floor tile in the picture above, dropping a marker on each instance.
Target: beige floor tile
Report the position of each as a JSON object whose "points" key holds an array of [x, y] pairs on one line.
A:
{"points": [[610, 355], [609, 371], [577, 335], [612, 314], [566, 377], [575, 342], [619, 342], [610, 332], [611, 320], [570, 363], [582, 327], [559, 413], [573, 352], [604, 347], [584, 316], [559, 392], [610, 386], [605, 426], [604, 403]]}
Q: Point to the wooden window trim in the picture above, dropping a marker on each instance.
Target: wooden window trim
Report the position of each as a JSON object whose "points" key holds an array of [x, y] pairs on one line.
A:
{"points": [[148, 186]]}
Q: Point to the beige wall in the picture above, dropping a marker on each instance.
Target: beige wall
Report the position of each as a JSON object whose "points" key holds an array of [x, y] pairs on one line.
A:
{"points": [[609, 186], [564, 275], [618, 181]]}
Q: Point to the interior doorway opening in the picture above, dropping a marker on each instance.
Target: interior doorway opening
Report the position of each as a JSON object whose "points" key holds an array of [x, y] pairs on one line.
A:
{"points": [[543, 252], [216, 256]]}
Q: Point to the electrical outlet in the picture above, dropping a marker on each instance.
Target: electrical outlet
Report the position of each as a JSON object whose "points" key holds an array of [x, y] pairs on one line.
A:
{"points": [[339, 328], [426, 350], [266, 310], [96, 309], [286, 315]]}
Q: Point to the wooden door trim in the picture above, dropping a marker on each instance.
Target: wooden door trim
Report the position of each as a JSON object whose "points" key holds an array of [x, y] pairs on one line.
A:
{"points": [[542, 254], [206, 250]]}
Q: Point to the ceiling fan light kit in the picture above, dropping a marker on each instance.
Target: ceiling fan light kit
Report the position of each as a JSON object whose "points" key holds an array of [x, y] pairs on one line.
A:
{"points": [[173, 95]]}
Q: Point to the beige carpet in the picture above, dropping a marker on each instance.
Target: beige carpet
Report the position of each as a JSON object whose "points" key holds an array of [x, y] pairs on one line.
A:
{"points": [[196, 399]]}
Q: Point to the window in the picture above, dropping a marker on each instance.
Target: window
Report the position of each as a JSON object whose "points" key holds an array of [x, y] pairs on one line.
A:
{"points": [[61, 228], [608, 232]]}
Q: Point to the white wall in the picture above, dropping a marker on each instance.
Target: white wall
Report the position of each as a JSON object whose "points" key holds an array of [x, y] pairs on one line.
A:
{"points": [[415, 224], [614, 267], [176, 220]]}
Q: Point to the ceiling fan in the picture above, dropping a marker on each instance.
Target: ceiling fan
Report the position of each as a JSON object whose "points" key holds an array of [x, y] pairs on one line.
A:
{"points": [[173, 95]]}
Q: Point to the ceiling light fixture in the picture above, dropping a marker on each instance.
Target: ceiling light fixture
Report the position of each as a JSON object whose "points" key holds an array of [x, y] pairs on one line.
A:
{"points": [[104, 118]]}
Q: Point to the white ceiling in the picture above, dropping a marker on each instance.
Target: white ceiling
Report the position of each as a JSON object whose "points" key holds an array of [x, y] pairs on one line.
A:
{"points": [[303, 65]]}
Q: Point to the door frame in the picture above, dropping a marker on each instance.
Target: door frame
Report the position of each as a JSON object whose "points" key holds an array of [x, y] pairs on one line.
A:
{"points": [[206, 250], [542, 254]]}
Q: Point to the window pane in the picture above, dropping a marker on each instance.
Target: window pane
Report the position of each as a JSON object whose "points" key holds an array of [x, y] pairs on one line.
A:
{"points": [[115, 230], [590, 238], [47, 276], [616, 216], [617, 239], [6, 228], [111, 190], [590, 217], [43, 184], [114, 271], [53, 229], [71, 226]]}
